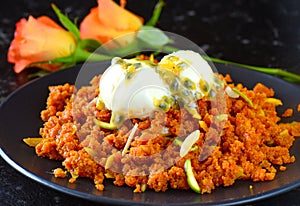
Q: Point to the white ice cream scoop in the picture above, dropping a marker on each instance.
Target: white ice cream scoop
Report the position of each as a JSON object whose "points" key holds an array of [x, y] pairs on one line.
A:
{"points": [[190, 66], [133, 88], [130, 88]]}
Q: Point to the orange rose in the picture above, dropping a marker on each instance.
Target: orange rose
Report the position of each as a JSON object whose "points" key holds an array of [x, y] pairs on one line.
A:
{"points": [[108, 21], [38, 40]]}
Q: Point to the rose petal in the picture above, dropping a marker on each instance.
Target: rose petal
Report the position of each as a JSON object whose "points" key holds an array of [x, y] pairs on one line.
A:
{"points": [[112, 15], [108, 21], [39, 40]]}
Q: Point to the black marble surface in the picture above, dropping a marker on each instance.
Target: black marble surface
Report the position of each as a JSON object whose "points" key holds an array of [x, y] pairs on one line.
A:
{"points": [[261, 32]]}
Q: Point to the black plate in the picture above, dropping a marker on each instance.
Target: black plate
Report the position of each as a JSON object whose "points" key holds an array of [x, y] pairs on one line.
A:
{"points": [[19, 118]]}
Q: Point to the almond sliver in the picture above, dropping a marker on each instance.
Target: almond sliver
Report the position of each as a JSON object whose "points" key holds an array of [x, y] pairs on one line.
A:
{"points": [[189, 142]]}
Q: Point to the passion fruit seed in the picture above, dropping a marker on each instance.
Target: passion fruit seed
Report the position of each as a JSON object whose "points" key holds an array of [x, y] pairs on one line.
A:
{"points": [[99, 104], [204, 86], [189, 84], [182, 65]]}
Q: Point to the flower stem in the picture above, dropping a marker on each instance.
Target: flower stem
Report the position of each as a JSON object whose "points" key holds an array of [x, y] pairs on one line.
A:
{"points": [[81, 56], [288, 76], [156, 13], [90, 57]]}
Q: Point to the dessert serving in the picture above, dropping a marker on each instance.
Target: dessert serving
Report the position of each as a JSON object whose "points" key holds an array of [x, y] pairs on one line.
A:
{"points": [[168, 124]]}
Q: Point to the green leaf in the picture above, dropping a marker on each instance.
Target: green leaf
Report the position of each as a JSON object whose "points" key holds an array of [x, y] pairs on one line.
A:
{"points": [[66, 22], [156, 13], [153, 36]]}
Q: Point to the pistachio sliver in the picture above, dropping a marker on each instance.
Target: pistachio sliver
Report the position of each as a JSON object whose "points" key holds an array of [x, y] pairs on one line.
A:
{"points": [[274, 101], [243, 96], [32, 141], [178, 141], [109, 161], [222, 117], [104, 125], [143, 187], [90, 151], [74, 177], [108, 175], [192, 182]]}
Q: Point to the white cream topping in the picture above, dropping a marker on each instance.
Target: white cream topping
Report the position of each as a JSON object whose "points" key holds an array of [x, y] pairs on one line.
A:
{"points": [[133, 88]]}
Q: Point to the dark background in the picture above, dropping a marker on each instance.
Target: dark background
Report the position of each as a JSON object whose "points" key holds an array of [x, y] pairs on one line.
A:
{"points": [[261, 32]]}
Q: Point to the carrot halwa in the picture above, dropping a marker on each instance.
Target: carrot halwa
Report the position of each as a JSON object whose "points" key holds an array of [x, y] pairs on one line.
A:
{"points": [[253, 144]]}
